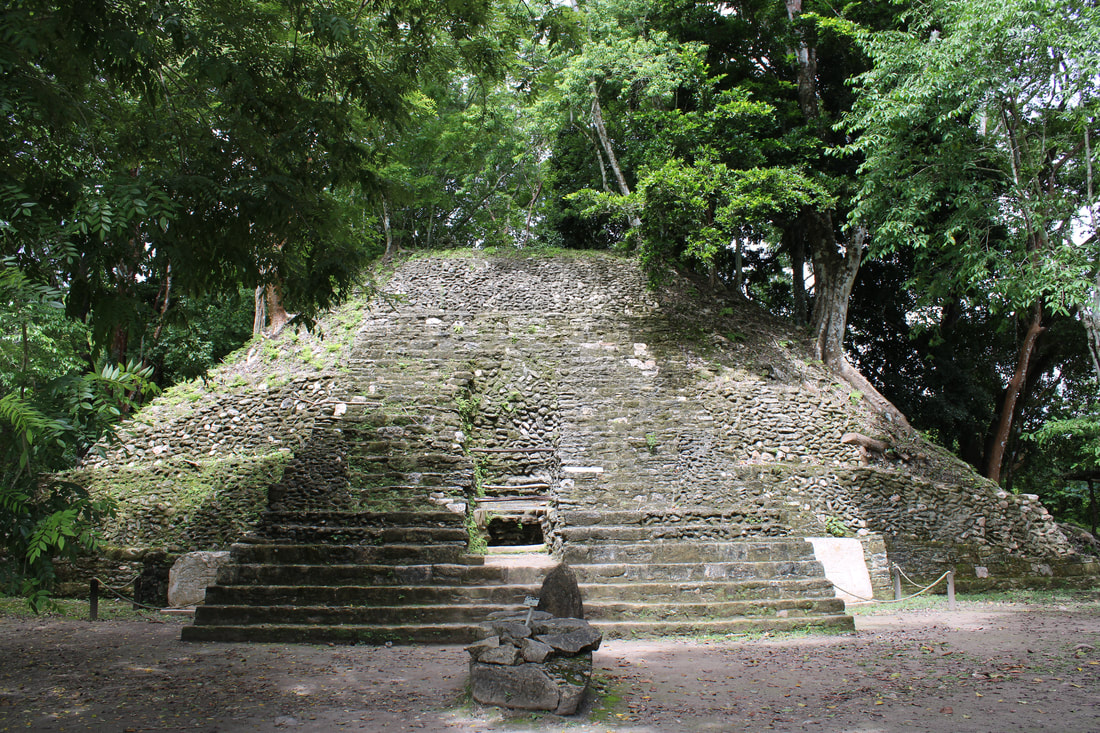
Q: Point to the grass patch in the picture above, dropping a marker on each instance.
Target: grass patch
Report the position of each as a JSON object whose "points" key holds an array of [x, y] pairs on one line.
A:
{"points": [[976, 601], [76, 609]]}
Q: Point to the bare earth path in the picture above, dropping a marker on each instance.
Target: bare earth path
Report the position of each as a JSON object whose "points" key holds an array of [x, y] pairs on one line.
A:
{"points": [[988, 667]]}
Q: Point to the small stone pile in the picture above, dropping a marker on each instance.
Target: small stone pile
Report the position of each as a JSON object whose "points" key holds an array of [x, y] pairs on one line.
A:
{"points": [[541, 663]]}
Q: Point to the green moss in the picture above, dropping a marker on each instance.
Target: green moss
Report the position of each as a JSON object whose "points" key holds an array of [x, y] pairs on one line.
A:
{"points": [[479, 543], [608, 699], [189, 504]]}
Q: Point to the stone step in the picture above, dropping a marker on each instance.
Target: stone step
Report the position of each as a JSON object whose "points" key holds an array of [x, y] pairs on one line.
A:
{"points": [[312, 534], [637, 533], [696, 571], [332, 554], [838, 623], [453, 633], [348, 615], [709, 591], [661, 516], [370, 595], [371, 480], [383, 491], [361, 574], [713, 610], [406, 468], [678, 551], [334, 518]]}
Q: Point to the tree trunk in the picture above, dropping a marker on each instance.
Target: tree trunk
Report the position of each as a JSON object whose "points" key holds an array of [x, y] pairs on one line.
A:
{"points": [[1090, 318], [609, 151], [391, 249], [835, 266], [1012, 393], [835, 270], [807, 67], [119, 343], [277, 317], [531, 213], [739, 267], [1090, 313], [259, 311], [1092, 506], [165, 298]]}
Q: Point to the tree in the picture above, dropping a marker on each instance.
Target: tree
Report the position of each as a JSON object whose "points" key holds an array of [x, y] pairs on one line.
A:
{"points": [[206, 145], [1075, 443], [50, 414], [156, 154], [975, 123], [606, 63]]}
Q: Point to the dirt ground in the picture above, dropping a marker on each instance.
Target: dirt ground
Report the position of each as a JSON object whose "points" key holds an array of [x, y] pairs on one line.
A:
{"points": [[990, 666]]}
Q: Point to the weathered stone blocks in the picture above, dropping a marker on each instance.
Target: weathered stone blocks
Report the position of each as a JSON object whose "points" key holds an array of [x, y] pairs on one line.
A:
{"points": [[546, 665]]}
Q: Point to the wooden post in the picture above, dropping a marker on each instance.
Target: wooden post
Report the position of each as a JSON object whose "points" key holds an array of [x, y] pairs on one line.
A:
{"points": [[896, 571], [93, 601], [1092, 506], [951, 590]]}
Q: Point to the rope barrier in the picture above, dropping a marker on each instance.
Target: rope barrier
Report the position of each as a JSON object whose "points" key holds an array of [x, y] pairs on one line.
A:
{"points": [[897, 587], [895, 566], [922, 591], [124, 598]]}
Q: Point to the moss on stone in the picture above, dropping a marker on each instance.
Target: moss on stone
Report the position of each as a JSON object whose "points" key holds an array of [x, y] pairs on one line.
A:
{"points": [[185, 504]]}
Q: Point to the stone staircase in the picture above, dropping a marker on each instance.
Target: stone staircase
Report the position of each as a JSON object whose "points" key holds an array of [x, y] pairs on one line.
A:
{"points": [[376, 553], [638, 584]]}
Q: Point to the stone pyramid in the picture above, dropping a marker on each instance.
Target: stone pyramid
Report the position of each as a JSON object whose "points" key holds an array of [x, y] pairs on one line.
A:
{"points": [[674, 446]]}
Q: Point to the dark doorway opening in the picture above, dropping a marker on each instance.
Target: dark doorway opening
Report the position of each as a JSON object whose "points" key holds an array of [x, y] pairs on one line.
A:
{"points": [[514, 531]]}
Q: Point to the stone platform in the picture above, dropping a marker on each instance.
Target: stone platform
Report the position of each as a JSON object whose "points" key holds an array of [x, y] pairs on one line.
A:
{"points": [[673, 448]]}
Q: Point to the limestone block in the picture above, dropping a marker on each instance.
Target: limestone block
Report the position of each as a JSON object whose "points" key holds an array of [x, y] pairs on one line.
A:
{"points": [[506, 655], [558, 625], [190, 576], [845, 566], [523, 687], [560, 594], [507, 629], [572, 676], [476, 649], [534, 651], [573, 642]]}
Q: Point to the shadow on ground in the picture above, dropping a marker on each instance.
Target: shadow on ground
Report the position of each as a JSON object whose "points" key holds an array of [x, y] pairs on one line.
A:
{"points": [[1007, 666]]}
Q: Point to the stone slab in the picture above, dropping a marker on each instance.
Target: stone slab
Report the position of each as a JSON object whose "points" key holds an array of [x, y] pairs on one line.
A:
{"points": [[845, 566], [523, 687], [190, 576]]}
